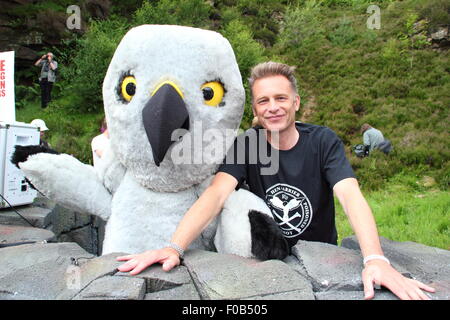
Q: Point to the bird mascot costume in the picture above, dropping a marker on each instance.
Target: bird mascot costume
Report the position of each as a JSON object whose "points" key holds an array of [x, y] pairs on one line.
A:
{"points": [[173, 99]]}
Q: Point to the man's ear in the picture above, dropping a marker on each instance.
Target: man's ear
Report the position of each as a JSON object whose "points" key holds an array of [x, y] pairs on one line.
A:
{"points": [[297, 102]]}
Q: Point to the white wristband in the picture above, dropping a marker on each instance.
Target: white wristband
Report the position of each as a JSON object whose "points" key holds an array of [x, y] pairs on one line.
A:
{"points": [[375, 257], [176, 248]]}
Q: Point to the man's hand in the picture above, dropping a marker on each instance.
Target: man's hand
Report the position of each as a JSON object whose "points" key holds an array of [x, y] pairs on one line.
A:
{"points": [[168, 257], [379, 272]]}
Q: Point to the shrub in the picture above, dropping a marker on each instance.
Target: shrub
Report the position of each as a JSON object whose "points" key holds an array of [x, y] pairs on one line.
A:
{"points": [[248, 53], [194, 13], [86, 70]]}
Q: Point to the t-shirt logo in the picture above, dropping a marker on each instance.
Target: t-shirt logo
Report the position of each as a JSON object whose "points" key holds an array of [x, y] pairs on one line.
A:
{"points": [[290, 208]]}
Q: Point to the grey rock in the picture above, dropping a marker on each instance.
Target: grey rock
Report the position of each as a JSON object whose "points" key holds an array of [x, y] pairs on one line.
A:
{"points": [[113, 288], [36, 271], [183, 292], [441, 34], [90, 270], [39, 217], [226, 276], [15, 234], [423, 262], [442, 288], [330, 267], [86, 237], [354, 295], [156, 279], [288, 295]]}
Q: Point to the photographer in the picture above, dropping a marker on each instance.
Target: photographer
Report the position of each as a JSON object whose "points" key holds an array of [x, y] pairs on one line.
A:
{"points": [[47, 77]]}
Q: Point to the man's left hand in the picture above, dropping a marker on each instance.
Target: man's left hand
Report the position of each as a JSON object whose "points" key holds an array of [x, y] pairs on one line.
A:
{"points": [[379, 272]]}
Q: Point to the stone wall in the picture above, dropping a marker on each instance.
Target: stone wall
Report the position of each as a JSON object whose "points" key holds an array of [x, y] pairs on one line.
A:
{"points": [[45, 269]]}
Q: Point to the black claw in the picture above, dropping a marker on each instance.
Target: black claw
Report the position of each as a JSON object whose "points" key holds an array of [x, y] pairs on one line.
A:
{"points": [[267, 240], [22, 153]]}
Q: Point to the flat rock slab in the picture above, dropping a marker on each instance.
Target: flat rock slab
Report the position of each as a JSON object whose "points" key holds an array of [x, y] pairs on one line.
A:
{"points": [[10, 234], [113, 288], [183, 292], [328, 266], [157, 280], [354, 295], [424, 263], [39, 217], [225, 276], [89, 269], [36, 271]]}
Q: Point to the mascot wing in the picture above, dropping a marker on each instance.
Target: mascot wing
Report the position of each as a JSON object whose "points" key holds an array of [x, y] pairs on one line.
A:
{"points": [[69, 182]]}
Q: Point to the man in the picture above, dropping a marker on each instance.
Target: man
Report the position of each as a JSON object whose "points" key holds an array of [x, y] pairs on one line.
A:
{"points": [[374, 139], [42, 128], [47, 77], [275, 102]]}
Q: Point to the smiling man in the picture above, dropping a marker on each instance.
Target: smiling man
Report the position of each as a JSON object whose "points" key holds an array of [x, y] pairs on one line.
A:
{"points": [[312, 167]]}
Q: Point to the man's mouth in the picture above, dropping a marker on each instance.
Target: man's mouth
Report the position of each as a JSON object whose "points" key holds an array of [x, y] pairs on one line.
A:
{"points": [[275, 118]]}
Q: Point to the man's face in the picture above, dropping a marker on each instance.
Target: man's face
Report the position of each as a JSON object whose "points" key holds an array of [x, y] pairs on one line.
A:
{"points": [[275, 103]]}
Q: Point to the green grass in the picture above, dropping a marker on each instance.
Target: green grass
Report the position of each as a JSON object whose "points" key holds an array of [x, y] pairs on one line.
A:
{"points": [[404, 212]]}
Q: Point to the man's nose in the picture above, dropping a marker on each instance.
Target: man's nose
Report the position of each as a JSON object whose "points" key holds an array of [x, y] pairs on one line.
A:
{"points": [[273, 106]]}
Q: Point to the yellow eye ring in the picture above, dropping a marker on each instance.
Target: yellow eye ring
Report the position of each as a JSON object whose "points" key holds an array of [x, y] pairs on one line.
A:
{"points": [[128, 88], [213, 93]]}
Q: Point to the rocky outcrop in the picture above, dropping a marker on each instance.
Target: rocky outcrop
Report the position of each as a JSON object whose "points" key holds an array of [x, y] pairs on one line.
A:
{"points": [[44, 262], [28, 27], [314, 271]]}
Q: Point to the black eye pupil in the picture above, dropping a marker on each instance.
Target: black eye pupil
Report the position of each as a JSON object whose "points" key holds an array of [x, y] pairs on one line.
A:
{"points": [[208, 93], [130, 88]]}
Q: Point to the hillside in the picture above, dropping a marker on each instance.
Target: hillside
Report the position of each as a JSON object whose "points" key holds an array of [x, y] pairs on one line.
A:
{"points": [[397, 78]]}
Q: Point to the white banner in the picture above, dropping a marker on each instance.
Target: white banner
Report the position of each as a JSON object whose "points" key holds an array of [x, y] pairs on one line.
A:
{"points": [[7, 97]]}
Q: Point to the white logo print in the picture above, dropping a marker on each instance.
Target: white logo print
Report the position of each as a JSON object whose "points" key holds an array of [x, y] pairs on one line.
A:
{"points": [[290, 208]]}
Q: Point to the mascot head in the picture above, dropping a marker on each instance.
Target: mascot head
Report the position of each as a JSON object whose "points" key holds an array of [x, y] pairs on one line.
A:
{"points": [[173, 101]]}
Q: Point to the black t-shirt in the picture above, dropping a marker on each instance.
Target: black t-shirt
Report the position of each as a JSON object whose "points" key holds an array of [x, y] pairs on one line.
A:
{"points": [[296, 184]]}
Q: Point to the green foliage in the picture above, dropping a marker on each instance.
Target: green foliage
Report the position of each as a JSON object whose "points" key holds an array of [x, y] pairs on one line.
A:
{"points": [[301, 26], [84, 73], [390, 78], [248, 53], [193, 13], [343, 33]]}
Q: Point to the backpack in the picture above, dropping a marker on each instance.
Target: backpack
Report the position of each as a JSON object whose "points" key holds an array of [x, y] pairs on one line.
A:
{"points": [[361, 150]]}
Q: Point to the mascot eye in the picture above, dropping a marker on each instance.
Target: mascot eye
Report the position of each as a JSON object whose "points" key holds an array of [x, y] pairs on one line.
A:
{"points": [[213, 93], [128, 88]]}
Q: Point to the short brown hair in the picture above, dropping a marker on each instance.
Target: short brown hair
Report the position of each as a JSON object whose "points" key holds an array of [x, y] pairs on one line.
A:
{"points": [[365, 127], [270, 68]]}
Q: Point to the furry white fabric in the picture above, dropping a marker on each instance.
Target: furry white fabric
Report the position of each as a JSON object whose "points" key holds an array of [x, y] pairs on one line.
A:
{"points": [[145, 202]]}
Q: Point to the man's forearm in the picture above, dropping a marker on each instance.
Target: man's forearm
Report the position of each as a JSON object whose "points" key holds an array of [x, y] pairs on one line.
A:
{"points": [[360, 216], [204, 210]]}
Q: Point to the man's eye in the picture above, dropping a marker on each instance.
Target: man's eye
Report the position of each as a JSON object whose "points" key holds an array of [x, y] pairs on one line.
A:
{"points": [[263, 101]]}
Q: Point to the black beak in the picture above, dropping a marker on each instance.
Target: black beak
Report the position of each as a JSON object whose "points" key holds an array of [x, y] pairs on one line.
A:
{"points": [[164, 113]]}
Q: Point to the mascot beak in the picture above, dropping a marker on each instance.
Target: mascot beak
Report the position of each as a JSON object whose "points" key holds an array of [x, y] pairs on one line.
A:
{"points": [[164, 113]]}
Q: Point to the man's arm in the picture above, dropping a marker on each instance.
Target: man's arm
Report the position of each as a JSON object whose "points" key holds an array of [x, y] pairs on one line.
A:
{"points": [[196, 219], [40, 59], [375, 271]]}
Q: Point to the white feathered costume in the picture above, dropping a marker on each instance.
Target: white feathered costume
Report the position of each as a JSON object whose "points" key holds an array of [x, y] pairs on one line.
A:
{"points": [[155, 84]]}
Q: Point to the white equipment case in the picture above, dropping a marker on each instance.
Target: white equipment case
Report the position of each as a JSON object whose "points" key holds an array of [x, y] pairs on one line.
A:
{"points": [[13, 186]]}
